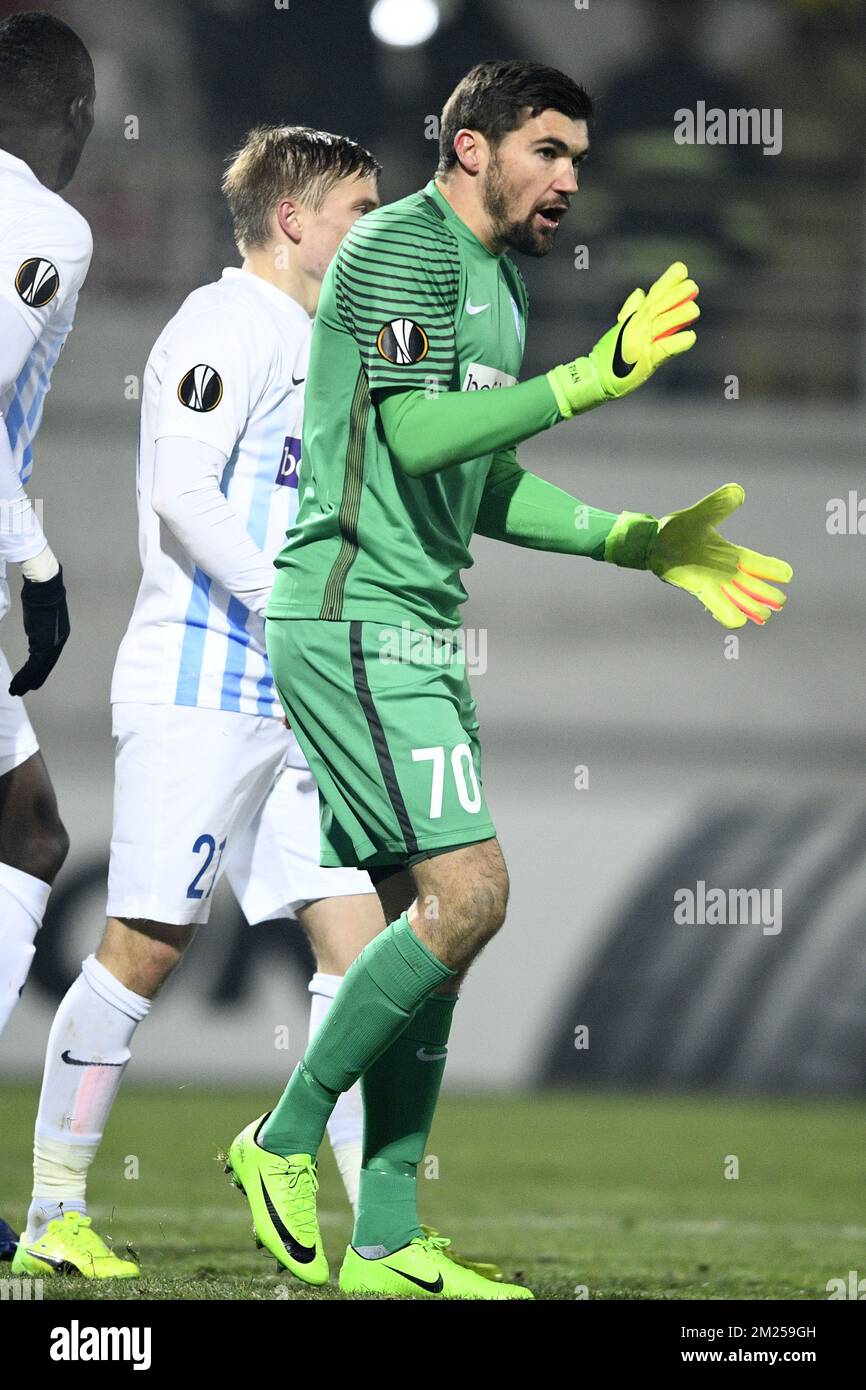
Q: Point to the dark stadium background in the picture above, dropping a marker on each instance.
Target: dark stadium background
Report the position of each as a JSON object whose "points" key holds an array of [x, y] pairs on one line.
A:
{"points": [[739, 767]]}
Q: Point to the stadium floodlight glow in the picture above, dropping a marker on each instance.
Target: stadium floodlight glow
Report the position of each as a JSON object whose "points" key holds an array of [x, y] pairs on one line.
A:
{"points": [[404, 23]]}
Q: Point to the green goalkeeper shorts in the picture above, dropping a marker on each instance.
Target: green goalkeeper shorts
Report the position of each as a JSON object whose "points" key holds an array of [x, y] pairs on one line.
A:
{"points": [[386, 720]]}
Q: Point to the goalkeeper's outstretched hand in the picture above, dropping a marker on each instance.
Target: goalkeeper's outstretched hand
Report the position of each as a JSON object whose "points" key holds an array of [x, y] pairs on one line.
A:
{"points": [[649, 329], [729, 580]]}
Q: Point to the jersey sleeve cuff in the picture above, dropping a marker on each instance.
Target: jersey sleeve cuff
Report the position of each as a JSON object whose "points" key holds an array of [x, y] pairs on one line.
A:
{"points": [[630, 540]]}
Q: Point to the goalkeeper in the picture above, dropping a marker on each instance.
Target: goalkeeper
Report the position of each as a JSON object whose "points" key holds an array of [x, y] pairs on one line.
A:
{"points": [[413, 411]]}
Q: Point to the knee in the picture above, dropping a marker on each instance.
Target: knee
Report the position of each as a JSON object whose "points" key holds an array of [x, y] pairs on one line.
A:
{"points": [[463, 897], [489, 904], [43, 852], [478, 910]]}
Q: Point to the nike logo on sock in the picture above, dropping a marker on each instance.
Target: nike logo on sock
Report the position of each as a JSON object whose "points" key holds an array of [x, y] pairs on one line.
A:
{"points": [[79, 1062], [424, 1056]]}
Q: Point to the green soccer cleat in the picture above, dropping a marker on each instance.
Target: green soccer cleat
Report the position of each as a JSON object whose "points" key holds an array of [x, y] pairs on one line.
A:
{"points": [[422, 1269], [487, 1271], [282, 1197], [71, 1246]]}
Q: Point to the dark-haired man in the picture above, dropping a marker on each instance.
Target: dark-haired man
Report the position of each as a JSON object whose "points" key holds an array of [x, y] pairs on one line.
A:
{"points": [[46, 114], [413, 413]]}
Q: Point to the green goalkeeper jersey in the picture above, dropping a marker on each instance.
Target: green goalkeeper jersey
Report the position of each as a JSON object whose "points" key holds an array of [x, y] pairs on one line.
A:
{"points": [[412, 299]]}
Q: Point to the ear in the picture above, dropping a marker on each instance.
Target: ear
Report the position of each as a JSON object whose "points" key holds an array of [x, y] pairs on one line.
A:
{"points": [[286, 213], [81, 113], [468, 148]]}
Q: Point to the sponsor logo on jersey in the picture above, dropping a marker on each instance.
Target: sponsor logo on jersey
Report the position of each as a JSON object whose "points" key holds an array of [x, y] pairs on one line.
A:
{"points": [[402, 342], [290, 463], [481, 378], [200, 389], [37, 282]]}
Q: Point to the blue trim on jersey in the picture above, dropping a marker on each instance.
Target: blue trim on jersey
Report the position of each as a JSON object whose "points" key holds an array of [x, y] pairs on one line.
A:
{"points": [[236, 656], [15, 417], [265, 697], [26, 464], [192, 651], [264, 485], [237, 638], [43, 385], [229, 470], [15, 410], [237, 613], [257, 526]]}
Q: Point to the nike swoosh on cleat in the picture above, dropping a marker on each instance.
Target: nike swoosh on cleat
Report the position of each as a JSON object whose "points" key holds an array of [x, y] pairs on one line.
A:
{"points": [[77, 1061], [56, 1261], [424, 1056], [619, 365], [304, 1254], [422, 1283], [476, 308]]}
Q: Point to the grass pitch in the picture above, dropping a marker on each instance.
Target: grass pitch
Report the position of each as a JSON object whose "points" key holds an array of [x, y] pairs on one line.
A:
{"points": [[622, 1196]]}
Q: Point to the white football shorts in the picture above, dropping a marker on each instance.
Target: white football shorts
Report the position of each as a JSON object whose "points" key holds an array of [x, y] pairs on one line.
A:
{"points": [[199, 793]]}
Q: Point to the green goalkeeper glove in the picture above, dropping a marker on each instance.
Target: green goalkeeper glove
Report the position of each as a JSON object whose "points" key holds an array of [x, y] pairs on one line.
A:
{"points": [[687, 551], [647, 332]]}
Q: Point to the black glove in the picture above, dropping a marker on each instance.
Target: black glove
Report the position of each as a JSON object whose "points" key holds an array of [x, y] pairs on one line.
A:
{"points": [[46, 622]]}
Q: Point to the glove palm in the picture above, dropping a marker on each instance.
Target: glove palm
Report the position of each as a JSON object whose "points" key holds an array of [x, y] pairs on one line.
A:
{"points": [[729, 580]]}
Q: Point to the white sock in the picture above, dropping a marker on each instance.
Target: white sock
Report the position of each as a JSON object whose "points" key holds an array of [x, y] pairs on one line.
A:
{"points": [[23, 900], [87, 1053], [346, 1125]]}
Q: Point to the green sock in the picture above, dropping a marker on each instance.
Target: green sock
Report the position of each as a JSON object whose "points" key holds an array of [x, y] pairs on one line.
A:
{"points": [[400, 1092], [381, 991]]}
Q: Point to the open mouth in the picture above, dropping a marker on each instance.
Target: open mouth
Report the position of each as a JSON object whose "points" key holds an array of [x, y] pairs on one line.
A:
{"points": [[550, 217]]}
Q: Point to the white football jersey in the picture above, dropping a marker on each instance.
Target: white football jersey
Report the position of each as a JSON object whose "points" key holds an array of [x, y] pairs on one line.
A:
{"points": [[228, 370], [45, 250]]}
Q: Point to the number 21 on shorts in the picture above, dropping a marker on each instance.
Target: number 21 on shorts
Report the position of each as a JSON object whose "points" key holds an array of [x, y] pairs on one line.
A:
{"points": [[209, 845], [468, 794]]}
